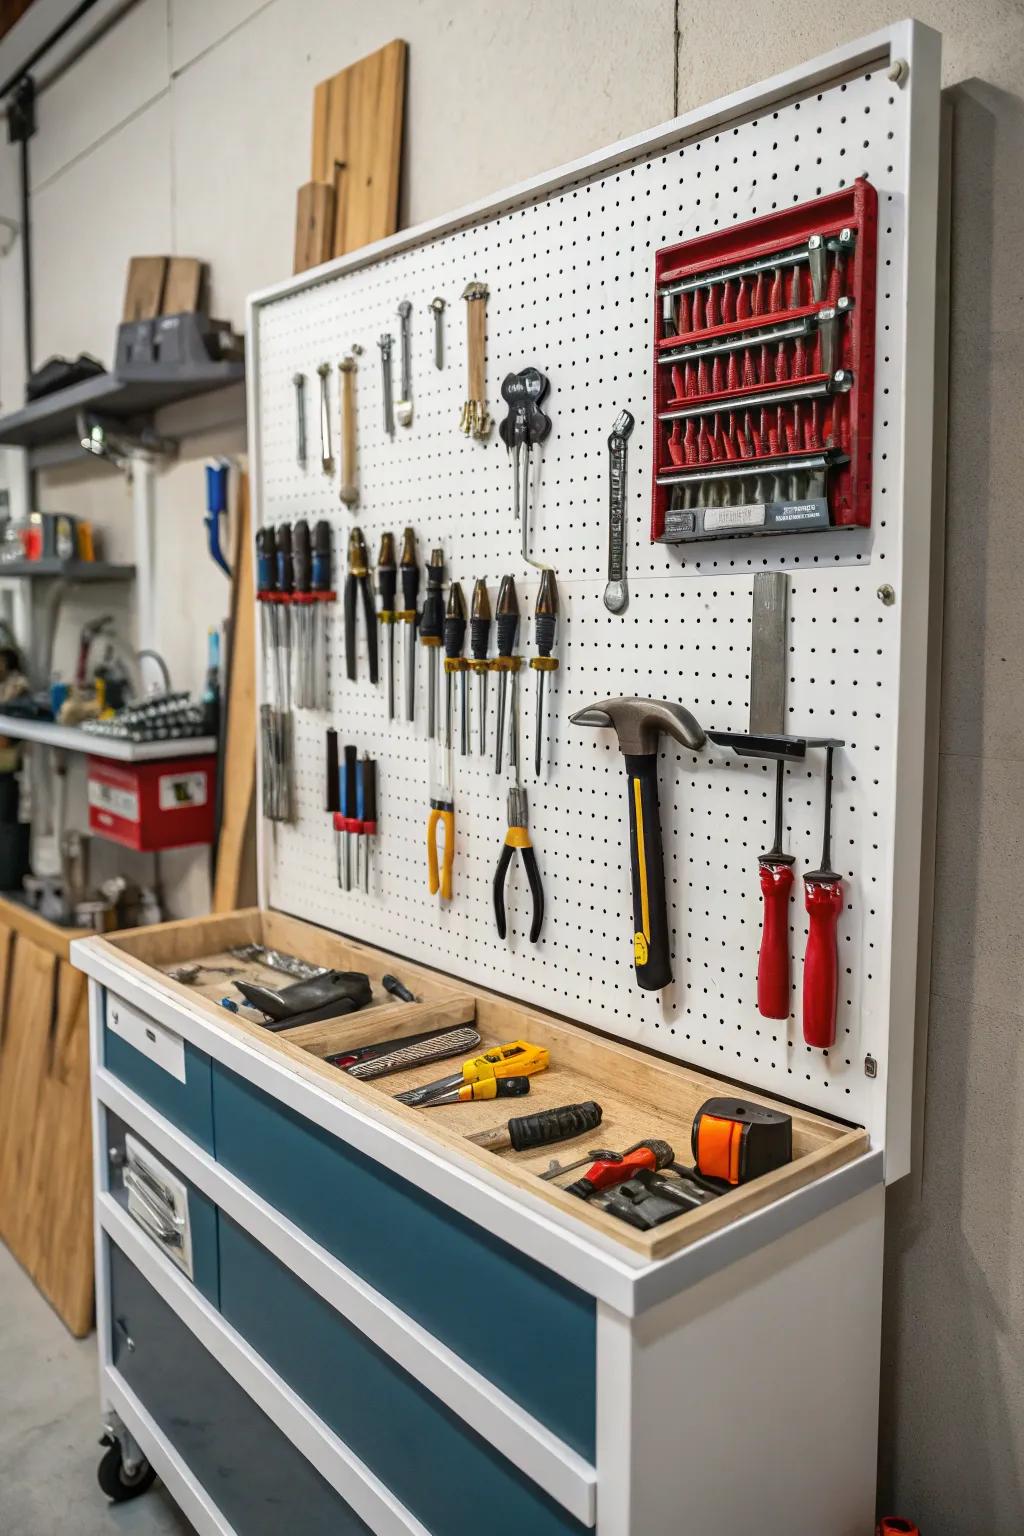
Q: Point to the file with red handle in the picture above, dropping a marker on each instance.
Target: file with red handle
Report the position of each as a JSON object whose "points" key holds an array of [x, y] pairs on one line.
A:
{"points": [[823, 898], [776, 873]]}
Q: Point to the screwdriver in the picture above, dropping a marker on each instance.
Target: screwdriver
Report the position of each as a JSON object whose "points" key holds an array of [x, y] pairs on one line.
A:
{"points": [[505, 662], [349, 807], [540, 1130], [479, 640], [410, 569], [432, 630], [545, 617], [284, 598], [387, 580], [776, 874], [331, 796], [516, 1059], [301, 575], [454, 662], [320, 587], [823, 898], [367, 813]]}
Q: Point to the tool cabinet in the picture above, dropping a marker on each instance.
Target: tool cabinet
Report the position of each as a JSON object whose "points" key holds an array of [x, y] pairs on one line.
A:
{"points": [[389, 1328]]}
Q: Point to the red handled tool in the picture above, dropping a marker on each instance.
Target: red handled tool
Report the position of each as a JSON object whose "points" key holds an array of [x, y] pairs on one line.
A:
{"points": [[607, 1171], [776, 870], [823, 897]]}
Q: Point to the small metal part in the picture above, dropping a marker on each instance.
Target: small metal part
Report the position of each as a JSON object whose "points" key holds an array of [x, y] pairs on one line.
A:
{"points": [[385, 343], [403, 408], [616, 593], [870, 1066], [768, 652], [438, 306], [299, 381], [326, 455], [816, 258], [887, 595]]}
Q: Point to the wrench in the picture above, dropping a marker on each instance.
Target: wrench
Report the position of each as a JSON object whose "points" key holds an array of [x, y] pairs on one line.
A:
{"points": [[299, 380], [616, 593], [403, 408], [385, 343], [326, 456]]}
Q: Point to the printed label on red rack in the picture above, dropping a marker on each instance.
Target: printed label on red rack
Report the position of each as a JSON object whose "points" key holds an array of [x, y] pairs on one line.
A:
{"points": [[766, 339]]}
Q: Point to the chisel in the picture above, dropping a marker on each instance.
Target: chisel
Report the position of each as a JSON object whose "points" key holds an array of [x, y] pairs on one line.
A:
{"points": [[549, 1125]]}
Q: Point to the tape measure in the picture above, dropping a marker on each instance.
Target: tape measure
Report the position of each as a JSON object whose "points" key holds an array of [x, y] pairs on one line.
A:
{"points": [[736, 1141]]}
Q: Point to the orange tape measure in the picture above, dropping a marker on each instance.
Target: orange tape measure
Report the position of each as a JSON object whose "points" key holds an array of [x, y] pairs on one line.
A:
{"points": [[734, 1140]]}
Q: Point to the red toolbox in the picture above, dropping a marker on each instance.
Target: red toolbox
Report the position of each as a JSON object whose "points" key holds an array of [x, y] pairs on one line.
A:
{"points": [[149, 806], [764, 365]]}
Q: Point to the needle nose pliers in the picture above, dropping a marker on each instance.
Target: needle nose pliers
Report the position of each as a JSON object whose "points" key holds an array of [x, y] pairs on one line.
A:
{"points": [[358, 580], [518, 836]]}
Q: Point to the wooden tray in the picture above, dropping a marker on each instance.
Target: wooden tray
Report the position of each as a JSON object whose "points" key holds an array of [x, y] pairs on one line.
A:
{"points": [[641, 1094]]}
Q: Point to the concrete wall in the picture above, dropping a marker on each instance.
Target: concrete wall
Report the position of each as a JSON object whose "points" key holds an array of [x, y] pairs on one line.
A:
{"points": [[188, 130]]}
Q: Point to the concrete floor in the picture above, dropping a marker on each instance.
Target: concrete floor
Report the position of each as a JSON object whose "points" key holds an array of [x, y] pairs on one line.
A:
{"points": [[49, 1428]]}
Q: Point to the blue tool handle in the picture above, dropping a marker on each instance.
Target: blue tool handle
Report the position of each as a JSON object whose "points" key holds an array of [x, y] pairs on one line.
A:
{"points": [[360, 793], [216, 506]]}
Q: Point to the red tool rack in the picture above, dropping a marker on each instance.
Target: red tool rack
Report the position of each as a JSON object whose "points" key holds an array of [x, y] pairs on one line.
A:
{"points": [[764, 365]]}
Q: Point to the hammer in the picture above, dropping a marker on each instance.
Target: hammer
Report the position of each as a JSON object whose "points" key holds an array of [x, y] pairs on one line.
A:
{"points": [[638, 723]]}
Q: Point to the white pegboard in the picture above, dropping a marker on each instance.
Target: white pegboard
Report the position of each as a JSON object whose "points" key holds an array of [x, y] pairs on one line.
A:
{"points": [[570, 273]]}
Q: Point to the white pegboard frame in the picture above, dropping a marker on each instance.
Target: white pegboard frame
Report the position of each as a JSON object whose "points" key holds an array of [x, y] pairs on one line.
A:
{"points": [[571, 289]]}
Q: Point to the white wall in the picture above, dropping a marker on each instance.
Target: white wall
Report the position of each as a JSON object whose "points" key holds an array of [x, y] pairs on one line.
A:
{"points": [[188, 130]]}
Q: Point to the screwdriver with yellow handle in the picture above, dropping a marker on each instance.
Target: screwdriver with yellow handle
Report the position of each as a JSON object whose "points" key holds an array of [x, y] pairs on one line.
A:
{"points": [[516, 1059]]}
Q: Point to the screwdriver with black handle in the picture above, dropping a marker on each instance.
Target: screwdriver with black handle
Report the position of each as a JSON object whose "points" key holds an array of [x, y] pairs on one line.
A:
{"points": [[455, 664], [332, 796], [505, 662], [432, 632], [525, 1132], [321, 593], [387, 583], [409, 568], [479, 642], [302, 570], [545, 617], [367, 813]]}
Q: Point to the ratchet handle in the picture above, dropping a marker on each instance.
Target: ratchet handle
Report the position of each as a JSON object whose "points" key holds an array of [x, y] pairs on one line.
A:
{"points": [[773, 960], [824, 902], [650, 919], [540, 1130]]}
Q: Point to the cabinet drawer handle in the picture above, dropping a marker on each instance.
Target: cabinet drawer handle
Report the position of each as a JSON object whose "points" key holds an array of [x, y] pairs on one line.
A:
{"points": [[166, 1228]]}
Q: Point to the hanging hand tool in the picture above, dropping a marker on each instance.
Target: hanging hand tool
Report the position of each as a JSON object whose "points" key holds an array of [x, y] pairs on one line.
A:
{"points": [[776, 884], [479, 640], [299, 382], [326, 452], [516, 1059], [348, 821], [302, 566], [442, 817], [505, 662], [455, 664], [555, 1169], [524, 427], [518, 836], [399, 1054], [403, 408], [285, 582], [616, 593], [216, 508], [409, 567], [366, 810], [823, 898], [432, 632], [606, 1172], [385, 343], [387, 580], [273, 729], [348, 489], [332, 795], [475, 420], [541, 1130], [358, 581], [438, 307], [321, 593], [638, 724], [545, 617]]}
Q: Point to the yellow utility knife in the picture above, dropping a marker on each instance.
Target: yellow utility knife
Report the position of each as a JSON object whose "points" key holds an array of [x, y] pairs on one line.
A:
{"points": [[516, 1059]]}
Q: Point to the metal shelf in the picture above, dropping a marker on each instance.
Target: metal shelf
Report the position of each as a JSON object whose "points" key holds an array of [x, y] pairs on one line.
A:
{"points": [[131, 396], [65, 570], [73, 739]]}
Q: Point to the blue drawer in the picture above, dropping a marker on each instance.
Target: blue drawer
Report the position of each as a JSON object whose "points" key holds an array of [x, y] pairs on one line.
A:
{"points": [[150, 1059], [258, 1480], [440, 1469], [201, 1212], [447, 1273]]}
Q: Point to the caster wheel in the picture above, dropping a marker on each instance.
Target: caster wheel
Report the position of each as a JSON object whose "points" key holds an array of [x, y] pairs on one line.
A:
{"points": [[119, 1484]]}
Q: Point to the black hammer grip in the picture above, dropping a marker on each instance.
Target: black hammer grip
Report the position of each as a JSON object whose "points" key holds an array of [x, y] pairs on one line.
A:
{"points": [[550, 1125], [650, 920]]}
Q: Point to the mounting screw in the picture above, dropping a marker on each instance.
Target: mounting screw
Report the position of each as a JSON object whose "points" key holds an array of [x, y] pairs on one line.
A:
{"points": [[899, 72], [870, 1066], [887, 595]]}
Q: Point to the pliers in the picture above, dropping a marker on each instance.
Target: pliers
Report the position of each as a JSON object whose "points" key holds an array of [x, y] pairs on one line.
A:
{"points": [[359, 577], [518, 836]]}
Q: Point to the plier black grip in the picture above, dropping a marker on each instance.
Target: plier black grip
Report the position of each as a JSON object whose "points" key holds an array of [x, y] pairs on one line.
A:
{"points": [[518, 836], [359, 577]]}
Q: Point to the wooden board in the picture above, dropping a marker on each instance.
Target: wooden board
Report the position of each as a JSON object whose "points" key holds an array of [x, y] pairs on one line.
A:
{"points": [[183, 289], [144, 290], [357, 145], [314, 225], [236, 847], [642, 1094], [45, 1141]]}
